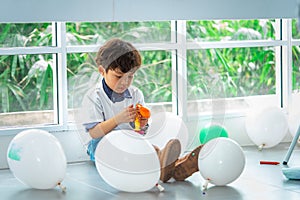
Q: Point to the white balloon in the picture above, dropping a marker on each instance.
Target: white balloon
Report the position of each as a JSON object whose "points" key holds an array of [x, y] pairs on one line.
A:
{"points": [[127, 162], [165, 126], [267, 128], [37, 159], [221, 161]]}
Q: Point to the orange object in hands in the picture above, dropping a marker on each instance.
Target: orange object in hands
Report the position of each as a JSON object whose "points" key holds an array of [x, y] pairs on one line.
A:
{"points": [[142, 112], [145, 112]]}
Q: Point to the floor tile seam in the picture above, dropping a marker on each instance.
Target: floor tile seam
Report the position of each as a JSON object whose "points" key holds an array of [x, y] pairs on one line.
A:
{"points": [[91, 186]]}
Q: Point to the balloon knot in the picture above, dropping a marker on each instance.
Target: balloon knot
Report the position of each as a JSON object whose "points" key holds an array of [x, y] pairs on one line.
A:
{"points": [[159, 187], [63, 188]]}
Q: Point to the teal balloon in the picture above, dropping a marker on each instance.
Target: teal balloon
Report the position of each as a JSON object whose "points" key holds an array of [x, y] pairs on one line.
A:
{"points": [[210, 132]]}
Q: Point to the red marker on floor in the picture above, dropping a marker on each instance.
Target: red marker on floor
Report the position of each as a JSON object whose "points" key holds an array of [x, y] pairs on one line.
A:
{"points": [[269, 162]]}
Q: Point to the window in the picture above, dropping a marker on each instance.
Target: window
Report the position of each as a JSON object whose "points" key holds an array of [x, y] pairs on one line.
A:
{"points": [[46, 68], [26, 75], [230, 60]]}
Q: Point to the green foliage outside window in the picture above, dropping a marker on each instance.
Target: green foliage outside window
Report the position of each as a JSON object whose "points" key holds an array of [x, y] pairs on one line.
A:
{"points": [[25, 80], [135, 32], [230, 30], [231, 72], [296, 60], [25, 35], [234, 72]]}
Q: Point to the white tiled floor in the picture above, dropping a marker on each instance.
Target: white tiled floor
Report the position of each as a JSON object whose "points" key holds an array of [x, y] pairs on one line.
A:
{"points": [[256, 182]]}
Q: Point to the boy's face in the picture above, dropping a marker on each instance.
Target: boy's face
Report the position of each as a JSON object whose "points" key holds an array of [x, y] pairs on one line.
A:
{"points": [[116, 79]]}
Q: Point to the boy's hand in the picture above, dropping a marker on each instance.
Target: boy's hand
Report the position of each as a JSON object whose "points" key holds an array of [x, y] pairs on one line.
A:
{"points": [[126, 116]]}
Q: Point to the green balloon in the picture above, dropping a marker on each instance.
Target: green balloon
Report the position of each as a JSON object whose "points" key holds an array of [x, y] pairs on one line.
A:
{"points": [[210, 132]]}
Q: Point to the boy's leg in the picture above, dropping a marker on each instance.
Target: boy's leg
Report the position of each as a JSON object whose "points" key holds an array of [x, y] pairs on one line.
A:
{"points": [[167, 157], [187, 165]]}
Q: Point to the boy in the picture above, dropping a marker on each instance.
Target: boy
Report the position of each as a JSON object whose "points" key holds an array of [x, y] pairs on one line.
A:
{"points": [[112, 104]]}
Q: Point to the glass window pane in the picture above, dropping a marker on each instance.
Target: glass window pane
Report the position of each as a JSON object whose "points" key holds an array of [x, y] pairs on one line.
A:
{"points": [[295, 29], [25, 35], [82, 75], [154, 77], [296, 69], [228, 30], [85, 33], [236, 72], [26, 88]]}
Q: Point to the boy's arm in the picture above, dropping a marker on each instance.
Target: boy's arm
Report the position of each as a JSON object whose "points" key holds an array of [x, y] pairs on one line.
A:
{"points": [[103, 128]]}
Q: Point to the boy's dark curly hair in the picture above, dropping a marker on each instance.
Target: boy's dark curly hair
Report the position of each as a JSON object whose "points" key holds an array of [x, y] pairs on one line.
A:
{"points": [[120, 54]]}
